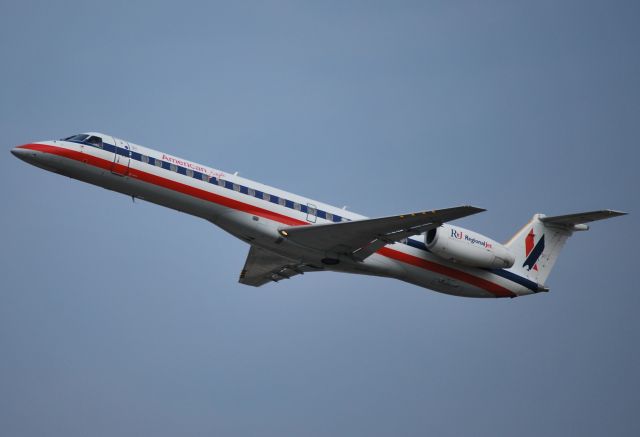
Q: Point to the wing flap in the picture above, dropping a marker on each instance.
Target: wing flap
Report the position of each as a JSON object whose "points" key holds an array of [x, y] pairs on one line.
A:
{"points": [[262, 267]]}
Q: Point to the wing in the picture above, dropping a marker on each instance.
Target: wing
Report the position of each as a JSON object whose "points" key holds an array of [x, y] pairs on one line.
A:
{"points": [[362, 238], [263, 266]]}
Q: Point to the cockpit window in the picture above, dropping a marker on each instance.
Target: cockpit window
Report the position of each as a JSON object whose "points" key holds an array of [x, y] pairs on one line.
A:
{"points": [[90, 140], [95, 141], [77, 138]]}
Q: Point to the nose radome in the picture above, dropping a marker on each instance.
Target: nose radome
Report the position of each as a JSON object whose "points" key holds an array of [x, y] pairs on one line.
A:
{"points": [[22, 153], [17, 152]]}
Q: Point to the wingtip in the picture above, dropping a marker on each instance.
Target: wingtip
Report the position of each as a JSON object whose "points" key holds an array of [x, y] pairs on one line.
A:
{"points": [[614, 213], [469, 209], [475, 208]]}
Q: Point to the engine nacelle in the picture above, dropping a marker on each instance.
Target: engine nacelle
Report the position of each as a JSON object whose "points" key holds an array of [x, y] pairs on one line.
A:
{"points": [[462, 246]]}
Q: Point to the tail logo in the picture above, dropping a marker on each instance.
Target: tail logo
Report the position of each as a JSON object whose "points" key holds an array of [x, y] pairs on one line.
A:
{"points": [[532, 251]]}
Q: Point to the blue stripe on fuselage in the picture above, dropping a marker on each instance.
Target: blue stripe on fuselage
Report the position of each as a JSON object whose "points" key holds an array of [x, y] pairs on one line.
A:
{"points": [[506, 274]]}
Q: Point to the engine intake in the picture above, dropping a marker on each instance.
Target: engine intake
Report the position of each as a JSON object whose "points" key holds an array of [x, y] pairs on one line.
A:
{"points": [[462, 246]]}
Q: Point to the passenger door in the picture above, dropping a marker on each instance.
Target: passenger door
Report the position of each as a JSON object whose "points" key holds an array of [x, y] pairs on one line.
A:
{"points": [[121, 159]]}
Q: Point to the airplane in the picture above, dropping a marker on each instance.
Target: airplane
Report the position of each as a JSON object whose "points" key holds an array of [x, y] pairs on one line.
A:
{"points": [[291, 235]]}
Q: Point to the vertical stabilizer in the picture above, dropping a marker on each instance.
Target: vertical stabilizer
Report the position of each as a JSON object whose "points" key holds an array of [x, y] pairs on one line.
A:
{"points": [[537, 245]]}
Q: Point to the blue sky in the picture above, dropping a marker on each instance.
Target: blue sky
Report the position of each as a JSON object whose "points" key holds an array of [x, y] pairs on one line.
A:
{"points": [[127, 319]]}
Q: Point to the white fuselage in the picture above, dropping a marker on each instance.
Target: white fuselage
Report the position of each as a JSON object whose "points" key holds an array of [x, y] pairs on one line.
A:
{"points": [[254, 212]]}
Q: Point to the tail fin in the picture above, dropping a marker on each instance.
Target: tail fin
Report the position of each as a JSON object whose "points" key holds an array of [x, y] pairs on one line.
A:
{"points": [[537, 245]]}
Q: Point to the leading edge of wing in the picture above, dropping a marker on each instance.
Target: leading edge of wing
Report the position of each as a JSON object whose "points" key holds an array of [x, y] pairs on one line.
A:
{"points": [[362, 238]]}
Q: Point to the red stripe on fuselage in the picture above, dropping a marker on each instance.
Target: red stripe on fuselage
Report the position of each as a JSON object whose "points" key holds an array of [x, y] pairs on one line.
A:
{"points": [[489, 286], [163, 182]]}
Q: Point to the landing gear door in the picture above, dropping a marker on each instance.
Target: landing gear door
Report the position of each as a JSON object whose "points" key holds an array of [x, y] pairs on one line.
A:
{"points": [[122, 158], [312, 213]]}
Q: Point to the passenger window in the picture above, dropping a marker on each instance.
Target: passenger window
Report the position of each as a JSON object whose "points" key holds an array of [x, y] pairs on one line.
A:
{"points": [[221, 182], [158, 163], [281, 201], [205, 177], [251, 192], [265, 196], [296, 206], [329, 216], [173, 167], [189, 173], [145, 159], [236, 187]]}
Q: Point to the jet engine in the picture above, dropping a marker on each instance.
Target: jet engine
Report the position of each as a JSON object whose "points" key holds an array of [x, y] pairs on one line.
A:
{"points": [[462, 246]]}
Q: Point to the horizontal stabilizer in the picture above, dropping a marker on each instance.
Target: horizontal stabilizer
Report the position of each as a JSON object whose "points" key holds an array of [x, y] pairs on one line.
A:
{"points": [[581, 217]]}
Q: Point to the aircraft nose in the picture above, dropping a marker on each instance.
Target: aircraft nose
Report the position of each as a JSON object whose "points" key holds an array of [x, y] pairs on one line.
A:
{"points": [[25, 155], [18, 152]]}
